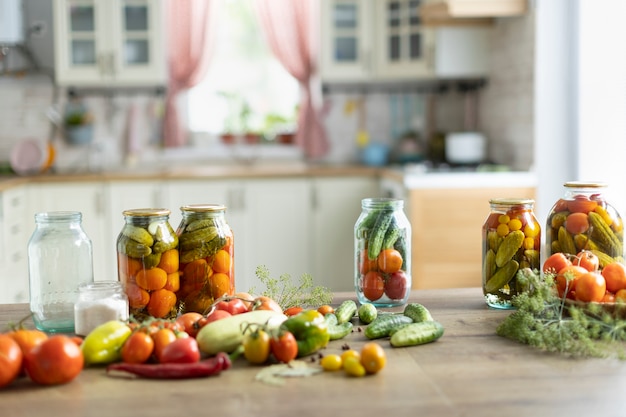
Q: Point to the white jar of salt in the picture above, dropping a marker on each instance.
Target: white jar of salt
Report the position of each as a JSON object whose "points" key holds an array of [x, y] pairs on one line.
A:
{"points": [[99, 302]]}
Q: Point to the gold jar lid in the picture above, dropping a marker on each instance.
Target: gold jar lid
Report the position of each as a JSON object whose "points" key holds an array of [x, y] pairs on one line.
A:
{"points": [[147, 212], [203, 208]]}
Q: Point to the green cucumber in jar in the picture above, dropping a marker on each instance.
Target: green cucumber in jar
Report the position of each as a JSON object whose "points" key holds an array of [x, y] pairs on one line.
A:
{"points": [[391, 235], [375, 243]]}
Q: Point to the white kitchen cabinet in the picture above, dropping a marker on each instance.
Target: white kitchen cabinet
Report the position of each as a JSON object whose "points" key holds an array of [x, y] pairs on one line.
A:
{"points": [[109, 42], [16, 226], [88, 198], [385, 40], [269, 218], [336, 207], [374, 40]]}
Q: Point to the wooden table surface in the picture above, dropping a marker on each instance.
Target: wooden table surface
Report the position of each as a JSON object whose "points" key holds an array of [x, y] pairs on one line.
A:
{"points": [[470, 371]]}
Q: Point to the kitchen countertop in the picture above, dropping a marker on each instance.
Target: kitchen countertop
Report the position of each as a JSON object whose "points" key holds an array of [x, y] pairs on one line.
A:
{"points": [[470, 371], [409, 178]]}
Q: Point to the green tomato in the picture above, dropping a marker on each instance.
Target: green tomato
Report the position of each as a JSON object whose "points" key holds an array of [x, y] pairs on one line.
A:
{"points": [[256, 347]]}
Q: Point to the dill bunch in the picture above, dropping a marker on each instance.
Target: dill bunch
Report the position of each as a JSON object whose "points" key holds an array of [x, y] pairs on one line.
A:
{"points": [[546, 321], [289, 294]]}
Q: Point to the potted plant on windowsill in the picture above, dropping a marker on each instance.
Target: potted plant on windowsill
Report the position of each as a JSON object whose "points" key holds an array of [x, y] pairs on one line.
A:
{"points": [[78, 125]]}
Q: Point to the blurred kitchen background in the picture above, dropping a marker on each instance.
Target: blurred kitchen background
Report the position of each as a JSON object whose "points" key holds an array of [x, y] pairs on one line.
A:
{"points": [[497, 70]]}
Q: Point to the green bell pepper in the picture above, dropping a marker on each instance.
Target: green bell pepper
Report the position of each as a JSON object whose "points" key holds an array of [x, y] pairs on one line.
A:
{"points": [[103, 344], [310, 330]]}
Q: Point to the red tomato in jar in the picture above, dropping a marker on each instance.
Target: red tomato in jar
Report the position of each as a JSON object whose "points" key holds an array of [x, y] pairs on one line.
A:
{"points": [[11, 357], [183, 350], [373, 285], [234, 306], [57, 360], [396, 285], [284, 347]]}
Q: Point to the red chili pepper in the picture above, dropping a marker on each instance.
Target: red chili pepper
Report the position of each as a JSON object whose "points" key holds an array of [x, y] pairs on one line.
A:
{"points": [[203, 368]]}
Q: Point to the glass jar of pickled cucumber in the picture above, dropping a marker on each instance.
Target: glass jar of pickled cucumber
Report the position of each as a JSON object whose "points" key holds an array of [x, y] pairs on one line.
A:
{"points": [[206, 256], [382, 243], [147, 263], [511, 241], [583, 224]]}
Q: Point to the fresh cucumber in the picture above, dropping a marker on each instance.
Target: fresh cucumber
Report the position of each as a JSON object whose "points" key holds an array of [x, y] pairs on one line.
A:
{"points": [[383, 325], [367, 313], [375, 242], [417, 312], [417, 334], [345, 311], [337, 331]]}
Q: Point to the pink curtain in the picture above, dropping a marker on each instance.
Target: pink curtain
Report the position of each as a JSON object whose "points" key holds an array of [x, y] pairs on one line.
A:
{"points": [[191, 34], [291, 28]]}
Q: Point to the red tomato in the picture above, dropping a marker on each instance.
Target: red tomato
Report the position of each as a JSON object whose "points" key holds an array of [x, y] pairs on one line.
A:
{"points": [[245, 297], [28, 339], [214, 316], [234, 306], [581, 204], [396, 285], [590, 287], [138, 348], [373, 285], [568, 277], [189, 322], [555, 263], [615, 276], [265, 303], [57, 360], [284, 347], [183, 350], [11, 357], [587, 260]]}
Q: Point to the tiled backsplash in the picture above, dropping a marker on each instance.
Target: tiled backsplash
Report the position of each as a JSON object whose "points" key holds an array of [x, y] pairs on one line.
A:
{"points": [[505, 111]]}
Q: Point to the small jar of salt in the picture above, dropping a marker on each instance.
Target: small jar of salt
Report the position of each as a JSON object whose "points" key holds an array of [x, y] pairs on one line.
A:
{"points": [[99, 302]]}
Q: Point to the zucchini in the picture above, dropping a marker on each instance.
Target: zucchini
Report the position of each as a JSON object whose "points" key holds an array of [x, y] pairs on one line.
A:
{"points": [[375, 243], [383, 325], [417, 334], [345, 311], [226, 334]]}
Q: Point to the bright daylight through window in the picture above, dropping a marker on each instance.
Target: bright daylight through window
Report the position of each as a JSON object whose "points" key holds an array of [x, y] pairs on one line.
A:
{"points": [[246, 89]]}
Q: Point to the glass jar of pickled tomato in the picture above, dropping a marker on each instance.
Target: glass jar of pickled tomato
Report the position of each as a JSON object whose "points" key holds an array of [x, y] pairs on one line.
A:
{"points": [[584, 224], [206, 256], [382, 243], [511, 241], [147, 263]]}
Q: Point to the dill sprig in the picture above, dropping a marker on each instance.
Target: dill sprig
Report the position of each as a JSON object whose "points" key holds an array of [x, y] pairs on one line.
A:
{"points": [[549, 322], [287, 294]]}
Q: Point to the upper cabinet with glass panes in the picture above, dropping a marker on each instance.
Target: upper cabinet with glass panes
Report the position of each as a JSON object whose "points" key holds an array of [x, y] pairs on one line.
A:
{"points": [[109, 43], [381, 40]]}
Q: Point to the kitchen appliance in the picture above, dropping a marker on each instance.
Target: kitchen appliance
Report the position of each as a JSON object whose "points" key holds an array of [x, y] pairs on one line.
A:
{"points": [[465, 148]]}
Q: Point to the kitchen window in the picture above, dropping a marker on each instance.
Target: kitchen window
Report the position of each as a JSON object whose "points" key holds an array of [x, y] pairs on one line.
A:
{"points": [[246, 89]]}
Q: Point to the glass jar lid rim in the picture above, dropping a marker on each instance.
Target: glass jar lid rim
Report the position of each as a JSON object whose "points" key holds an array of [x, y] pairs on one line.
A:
{"points": [[203, 208], [585, 184], [59, 215], [109, 284], [511, 200], [147, 212]]}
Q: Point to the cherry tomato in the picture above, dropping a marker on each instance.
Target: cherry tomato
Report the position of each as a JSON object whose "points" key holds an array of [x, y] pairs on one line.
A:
{"points": [[57, 360], [373, 357], [162, 338], [284, 347], [256, 346], [234, 306], [292, 311], [183, 350], [138, 348], [11, 358], [265, 303], [188, 322]]}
